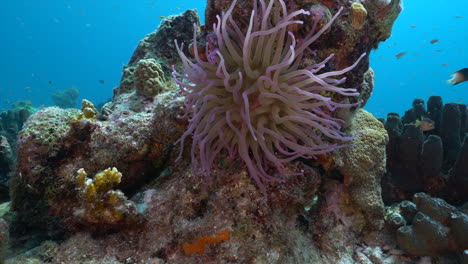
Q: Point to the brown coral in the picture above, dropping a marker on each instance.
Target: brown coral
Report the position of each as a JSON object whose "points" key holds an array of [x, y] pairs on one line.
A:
{"points": [[149, 78]]}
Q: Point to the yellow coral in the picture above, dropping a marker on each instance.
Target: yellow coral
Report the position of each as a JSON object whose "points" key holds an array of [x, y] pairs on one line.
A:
{"points": [[90, 192], [81, 178], [88, 110], [102, 182], [100, 203], [358, 15], [108, 177]]}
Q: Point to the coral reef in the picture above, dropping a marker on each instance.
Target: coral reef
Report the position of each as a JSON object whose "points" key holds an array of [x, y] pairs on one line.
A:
{"points": [[6, 165], [12, 121], [70, 142], [434, 161], [67, 98], [430, 226], [252, 100], [159, 46], [310, 217], [342, 39]]}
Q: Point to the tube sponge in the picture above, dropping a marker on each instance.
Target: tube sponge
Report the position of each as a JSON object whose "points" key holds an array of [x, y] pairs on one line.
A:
{"points": [[249, 97]]}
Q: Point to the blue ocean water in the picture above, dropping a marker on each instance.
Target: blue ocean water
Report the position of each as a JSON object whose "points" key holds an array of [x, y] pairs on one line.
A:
{"points": [[53, 45]]}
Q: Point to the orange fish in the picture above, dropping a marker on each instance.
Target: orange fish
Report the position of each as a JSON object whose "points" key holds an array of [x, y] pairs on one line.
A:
{"points": [[401, 54], [434, 41]]}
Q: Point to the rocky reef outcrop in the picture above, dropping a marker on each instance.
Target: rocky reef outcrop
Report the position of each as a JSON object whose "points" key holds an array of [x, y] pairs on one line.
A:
{"points": [[346, 41], [432, 160], [67, 98], [109, 181]]}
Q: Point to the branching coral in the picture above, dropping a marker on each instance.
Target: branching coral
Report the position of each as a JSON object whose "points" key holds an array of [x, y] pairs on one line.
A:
{"points": [[100, 203], [252, 99]]}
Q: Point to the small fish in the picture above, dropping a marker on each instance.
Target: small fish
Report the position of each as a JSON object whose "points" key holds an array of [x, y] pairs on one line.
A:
{"points": [[413, 26], [459, 77], [458, 16], [438, 50], [163, 17], [417, 54], [445, 64], [425, 124], [49, 82], [401, 54], [81, 10], [101, 81], [27, 87], [434, 41], [460, 100]]}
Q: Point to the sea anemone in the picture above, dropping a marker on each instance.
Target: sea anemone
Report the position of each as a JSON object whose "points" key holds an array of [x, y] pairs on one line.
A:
{"points": [[249, 97]]}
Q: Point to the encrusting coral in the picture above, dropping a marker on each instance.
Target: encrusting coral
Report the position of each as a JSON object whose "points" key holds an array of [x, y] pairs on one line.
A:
{"points": [[252, 99]]}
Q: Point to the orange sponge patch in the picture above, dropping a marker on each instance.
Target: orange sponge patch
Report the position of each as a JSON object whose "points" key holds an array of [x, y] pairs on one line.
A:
{"points": [[199, 245]]}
